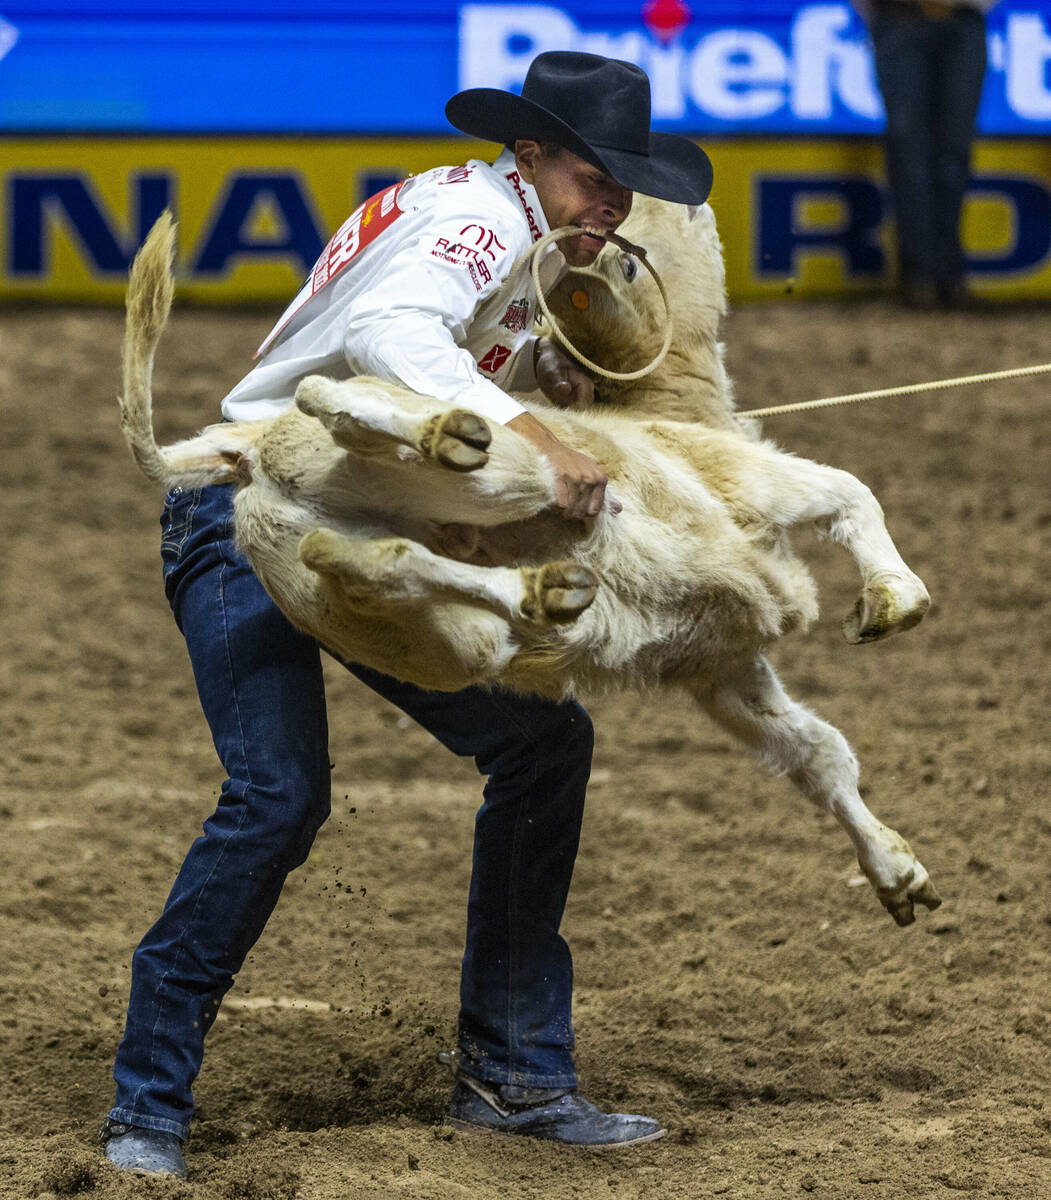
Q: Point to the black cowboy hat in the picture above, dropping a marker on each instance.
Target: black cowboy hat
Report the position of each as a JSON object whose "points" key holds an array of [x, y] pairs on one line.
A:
{"points": [[598, 108]]}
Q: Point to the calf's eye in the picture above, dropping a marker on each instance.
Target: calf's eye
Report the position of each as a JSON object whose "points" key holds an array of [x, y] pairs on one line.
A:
{"points": [[629, 267]]}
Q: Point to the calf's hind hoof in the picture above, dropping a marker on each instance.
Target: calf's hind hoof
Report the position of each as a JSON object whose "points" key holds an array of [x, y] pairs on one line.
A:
{"points": [[558, 591], [900, 906], [319, 551]]}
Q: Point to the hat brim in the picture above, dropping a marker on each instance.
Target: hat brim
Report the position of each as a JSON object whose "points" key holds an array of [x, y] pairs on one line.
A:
{"points": [[675, 168]]}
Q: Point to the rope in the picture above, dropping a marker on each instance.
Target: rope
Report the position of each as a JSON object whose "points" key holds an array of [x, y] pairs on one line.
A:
{"points": [[556, 235], [908, 389], [532, 256]]}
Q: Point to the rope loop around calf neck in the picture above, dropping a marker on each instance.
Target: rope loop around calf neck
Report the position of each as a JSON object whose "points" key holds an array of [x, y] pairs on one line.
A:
{"points": [[556, 235], [534, 254]]}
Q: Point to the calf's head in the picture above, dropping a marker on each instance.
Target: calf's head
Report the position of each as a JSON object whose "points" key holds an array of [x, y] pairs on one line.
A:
{"points": [[613, 313]]}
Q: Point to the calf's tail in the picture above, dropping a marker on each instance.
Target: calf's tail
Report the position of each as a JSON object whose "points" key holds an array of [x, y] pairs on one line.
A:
{"points": [[197, 461]]}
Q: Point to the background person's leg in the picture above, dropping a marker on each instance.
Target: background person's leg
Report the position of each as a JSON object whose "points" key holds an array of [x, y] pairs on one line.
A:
{"points": [[901, 40], [956, 93], [261, 689], [517, 982]]}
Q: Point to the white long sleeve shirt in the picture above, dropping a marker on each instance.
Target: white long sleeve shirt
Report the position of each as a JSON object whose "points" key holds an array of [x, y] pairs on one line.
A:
{"points": [[408, 289]]}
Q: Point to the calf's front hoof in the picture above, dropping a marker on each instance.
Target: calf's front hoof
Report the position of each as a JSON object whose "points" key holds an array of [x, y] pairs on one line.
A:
{"points": [[886, 606], [458, 439]]}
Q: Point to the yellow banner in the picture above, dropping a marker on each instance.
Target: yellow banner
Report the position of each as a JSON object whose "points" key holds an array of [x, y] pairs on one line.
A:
{"points": [[812, 218], [801, 218]]}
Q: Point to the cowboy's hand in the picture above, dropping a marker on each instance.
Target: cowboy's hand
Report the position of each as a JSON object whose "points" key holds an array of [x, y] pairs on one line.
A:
{"points": [[561, 380], [580, 483]]}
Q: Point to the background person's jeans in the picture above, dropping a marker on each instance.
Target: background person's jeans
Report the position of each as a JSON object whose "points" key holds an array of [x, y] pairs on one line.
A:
{"points": [[260, 685], [930, 74]]}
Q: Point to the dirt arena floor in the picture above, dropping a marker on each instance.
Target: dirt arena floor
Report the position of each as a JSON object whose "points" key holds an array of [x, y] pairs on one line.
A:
{"points": [[732, 978]]}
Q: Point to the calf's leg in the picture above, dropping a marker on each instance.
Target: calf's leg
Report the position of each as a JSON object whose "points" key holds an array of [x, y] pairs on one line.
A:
{"points": [[474, 473], [369, 416], [383, 572], [792, 741], [785, 491]]}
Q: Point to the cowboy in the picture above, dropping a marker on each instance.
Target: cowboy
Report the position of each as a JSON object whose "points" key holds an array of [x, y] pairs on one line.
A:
{"points": [[412, 288]]}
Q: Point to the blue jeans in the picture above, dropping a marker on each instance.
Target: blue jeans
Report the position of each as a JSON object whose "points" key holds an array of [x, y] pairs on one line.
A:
{"points": [[260, 685], [930, 74]]}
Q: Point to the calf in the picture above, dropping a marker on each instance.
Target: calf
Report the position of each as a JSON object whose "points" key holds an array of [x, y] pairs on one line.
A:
{"points": [[412, 537]]}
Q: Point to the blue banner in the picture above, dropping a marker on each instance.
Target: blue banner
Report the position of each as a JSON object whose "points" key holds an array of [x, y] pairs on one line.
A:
{"points": [[330, 67]]}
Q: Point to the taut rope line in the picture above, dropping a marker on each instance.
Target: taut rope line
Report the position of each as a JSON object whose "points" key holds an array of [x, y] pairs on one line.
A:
{"points": [[880, 393]]}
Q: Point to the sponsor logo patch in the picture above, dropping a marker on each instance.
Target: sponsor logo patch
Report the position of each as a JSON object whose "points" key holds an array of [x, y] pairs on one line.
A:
{"points": [[464, 256], [517, 316], [515, 181], [483, 240], [492, 360], [480, 275]]}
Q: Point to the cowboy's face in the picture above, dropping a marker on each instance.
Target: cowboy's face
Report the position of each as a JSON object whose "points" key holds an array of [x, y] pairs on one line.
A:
{"points": [[573, 192]]}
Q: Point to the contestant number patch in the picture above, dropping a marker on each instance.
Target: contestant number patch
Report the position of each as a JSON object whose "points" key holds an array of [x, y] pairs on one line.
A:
{"points": [[363, 226]]}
